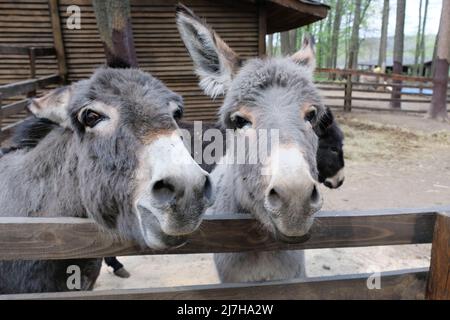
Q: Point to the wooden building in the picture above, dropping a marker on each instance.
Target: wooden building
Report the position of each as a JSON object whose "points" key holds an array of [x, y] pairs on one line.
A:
{"points": [[43, 23]]}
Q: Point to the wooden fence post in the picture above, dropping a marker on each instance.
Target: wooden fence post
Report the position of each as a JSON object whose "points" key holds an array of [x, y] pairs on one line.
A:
{"points": [[116, 31], [438, 287], [32, 57], [348, 94], [58, 39]]}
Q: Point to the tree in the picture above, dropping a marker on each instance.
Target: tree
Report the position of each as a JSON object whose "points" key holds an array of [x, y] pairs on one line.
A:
{"points": [[270, 45], [418, 41], [114, 26], [422, 40], [438, 107], [335, 35], [352, 62], [285, 43], [398, 51], [384, 36]]}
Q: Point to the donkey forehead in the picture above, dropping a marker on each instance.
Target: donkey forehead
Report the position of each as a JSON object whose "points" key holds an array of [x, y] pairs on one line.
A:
{"points": [[277, 81], [130, 89], [258, 75]]}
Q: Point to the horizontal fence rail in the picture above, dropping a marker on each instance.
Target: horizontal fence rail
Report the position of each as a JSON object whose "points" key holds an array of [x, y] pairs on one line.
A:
{"points": [[70, 238], [402, 284], [23, 87]]}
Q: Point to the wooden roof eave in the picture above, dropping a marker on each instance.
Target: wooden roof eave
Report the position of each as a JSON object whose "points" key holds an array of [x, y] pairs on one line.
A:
{"points": [[285, 15]]}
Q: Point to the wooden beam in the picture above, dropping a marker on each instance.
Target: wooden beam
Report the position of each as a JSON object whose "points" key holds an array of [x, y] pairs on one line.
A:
{"points": [[32, 58], [438, 287], [402, 284], [262, 28], [20, 50], [114, 25], [58, 41], [14, 108], [23, 87], [28, 238], [319, 11]]}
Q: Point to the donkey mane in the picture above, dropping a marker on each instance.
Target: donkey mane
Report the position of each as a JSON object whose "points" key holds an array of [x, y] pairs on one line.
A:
{"points": [[28, 134]]}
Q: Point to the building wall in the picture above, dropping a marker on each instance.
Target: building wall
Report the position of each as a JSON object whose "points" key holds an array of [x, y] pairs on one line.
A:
{"points": [[158, 45]]}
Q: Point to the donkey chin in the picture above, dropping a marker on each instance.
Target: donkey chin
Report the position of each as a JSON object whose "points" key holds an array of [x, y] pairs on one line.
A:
{"points": [[161, 229]]}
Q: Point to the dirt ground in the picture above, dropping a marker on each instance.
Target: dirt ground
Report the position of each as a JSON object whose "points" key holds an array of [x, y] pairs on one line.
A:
{"points": [[392, 160]]}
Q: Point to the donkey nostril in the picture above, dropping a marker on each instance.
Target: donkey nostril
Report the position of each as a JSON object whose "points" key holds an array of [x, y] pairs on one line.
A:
{"points": [[207, 189], [315, 196], [274, 199], [163, 191]]}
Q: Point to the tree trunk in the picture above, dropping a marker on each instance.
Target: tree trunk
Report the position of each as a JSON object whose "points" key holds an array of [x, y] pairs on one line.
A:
{"points": [[335, 36], [418, 38], [398, 52], [384, 36], [438, 107], [270, 45], [328, 33], [114, 26], [320, 46], [292, 41], [422, 40], [285, 45], [354, 40]]}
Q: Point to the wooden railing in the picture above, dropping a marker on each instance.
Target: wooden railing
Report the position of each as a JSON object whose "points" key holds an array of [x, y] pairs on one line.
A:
{"points": [[26, 87], [350, 84], [73, 238]]}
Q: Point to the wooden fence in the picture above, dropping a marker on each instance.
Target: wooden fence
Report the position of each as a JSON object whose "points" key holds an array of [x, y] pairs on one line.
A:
{"points": [[72, 238], [27, 88], [350, 83]]}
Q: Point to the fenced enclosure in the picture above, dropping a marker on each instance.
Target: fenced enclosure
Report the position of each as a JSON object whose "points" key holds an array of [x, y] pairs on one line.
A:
{"points": [[40, 33], [14, 97], [73, 238], [344, 89], [346, 94]]}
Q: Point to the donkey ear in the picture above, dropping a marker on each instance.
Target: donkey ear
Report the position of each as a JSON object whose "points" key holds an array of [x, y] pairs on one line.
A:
{"points": [[325, 122], [306, 55], [215, 62], [53, 105]]}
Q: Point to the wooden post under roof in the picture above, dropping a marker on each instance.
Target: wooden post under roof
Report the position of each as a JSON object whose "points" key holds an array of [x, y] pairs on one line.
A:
{"points": [[262, 28], [58, 39], [115, 29]]}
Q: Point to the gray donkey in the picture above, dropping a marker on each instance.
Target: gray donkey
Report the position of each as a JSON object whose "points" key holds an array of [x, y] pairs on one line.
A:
{"points": [[273, 93], [117, 157]]}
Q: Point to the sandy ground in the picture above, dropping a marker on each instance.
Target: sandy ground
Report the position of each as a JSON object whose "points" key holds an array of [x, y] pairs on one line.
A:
{"points": [[392, 160]]}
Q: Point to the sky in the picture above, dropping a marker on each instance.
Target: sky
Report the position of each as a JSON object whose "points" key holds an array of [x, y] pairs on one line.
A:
{"points": [[411, 19]]}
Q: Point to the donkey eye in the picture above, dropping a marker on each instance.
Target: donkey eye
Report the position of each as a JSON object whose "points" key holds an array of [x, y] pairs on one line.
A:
{"points": [[239, 122], [178, 114], [90, 118], [311, 114]]}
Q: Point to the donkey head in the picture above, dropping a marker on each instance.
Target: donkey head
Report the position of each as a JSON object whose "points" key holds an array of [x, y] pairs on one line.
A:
{"points": [[133, 171], [265, 94], [330, 155]]}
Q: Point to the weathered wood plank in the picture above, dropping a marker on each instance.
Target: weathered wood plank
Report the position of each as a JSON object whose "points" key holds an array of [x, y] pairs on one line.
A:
{"points": [[67, 238], [438, 287], [402, 284], [23, 87], [58, 39], [14, 108], [262, 29], [21, 50]]}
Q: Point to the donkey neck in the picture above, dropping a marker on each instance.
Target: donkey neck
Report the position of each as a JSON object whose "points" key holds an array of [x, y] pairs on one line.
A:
{"points": [[228, 190], [41, 181]]}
